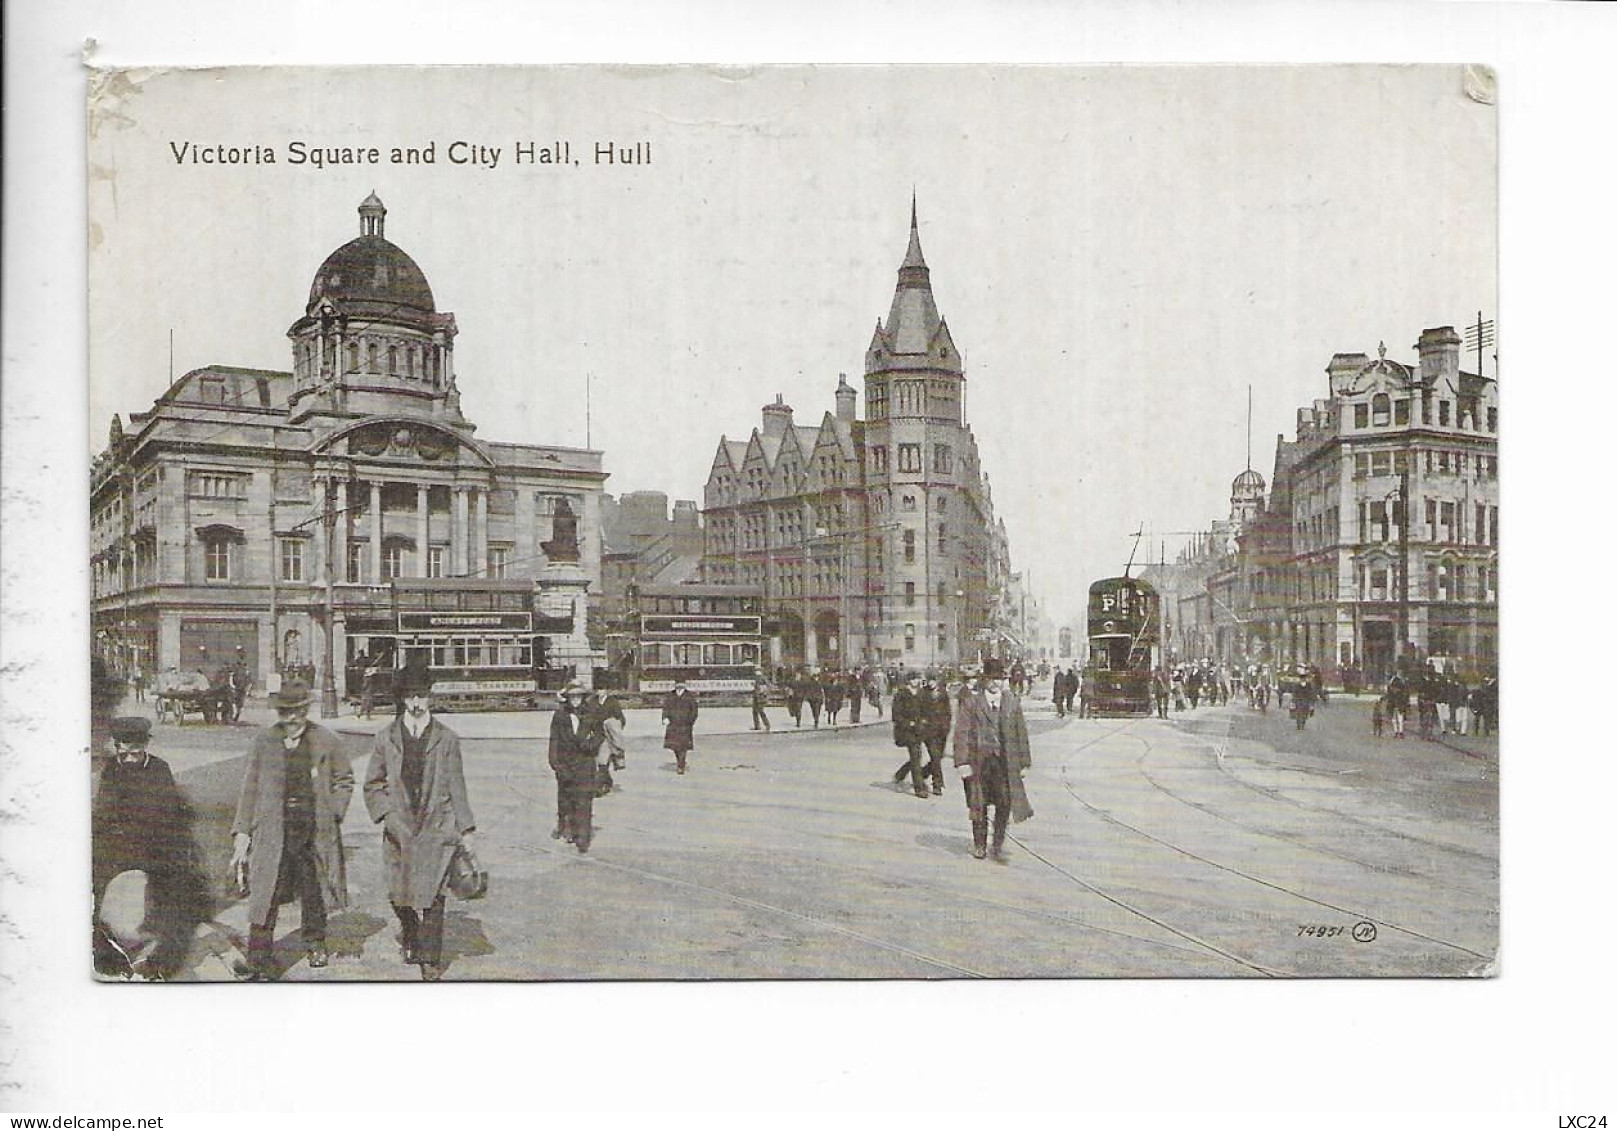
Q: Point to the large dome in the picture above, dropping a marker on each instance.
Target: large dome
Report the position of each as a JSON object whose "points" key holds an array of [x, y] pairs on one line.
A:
{"points": [[370, 269]]}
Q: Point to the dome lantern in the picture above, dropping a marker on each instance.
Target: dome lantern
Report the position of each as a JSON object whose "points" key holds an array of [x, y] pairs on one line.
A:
{"points": [[372, 215]]}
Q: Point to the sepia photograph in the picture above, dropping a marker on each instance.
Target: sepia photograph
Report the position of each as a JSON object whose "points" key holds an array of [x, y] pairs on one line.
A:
{"points": [[719, 523], [935, 560]]}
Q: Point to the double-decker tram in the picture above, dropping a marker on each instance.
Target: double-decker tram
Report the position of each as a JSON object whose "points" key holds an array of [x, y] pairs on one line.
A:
{"points": [[709, 636], [479, 639], [1125, 638]]}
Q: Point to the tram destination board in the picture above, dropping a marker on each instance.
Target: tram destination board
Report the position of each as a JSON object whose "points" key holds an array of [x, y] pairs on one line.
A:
{"points": [[656, 625], [445, 621]]}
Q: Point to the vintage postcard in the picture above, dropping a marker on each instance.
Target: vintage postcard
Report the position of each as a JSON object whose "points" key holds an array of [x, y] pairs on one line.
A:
{"points": [[589, 523]]}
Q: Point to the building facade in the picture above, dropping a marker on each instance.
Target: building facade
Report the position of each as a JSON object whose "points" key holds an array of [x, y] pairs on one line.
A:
{"points": [[1327, 570], [869, 538], [221, 514]]}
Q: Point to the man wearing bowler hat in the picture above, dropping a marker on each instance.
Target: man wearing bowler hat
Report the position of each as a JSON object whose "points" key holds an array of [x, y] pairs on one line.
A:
{"points": [[288, 829], [416, 789], [991, 752], [149, 893]]}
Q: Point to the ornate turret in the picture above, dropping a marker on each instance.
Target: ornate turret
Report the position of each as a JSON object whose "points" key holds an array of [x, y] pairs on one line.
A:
{"points": [[371, 339]]}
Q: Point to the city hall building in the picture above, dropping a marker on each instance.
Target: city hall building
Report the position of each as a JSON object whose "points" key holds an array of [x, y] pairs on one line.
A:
{"points": [[249, 512]]}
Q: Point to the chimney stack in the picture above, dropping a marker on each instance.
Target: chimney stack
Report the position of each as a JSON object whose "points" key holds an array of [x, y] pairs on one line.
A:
{"points": [[777, 417], [1439, 355], [847, 399]]}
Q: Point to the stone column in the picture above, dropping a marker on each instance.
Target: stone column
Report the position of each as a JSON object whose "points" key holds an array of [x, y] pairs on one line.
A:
{"points": [[168, 640], [422, 530], [339, 549], [480, 532], [457, 533], [376, 532]]}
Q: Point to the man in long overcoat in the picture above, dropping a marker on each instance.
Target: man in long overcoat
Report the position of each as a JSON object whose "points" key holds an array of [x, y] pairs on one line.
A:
{"points": [[679, 722], [288, 829], [991, 752], [909, 714], [831, 689], [813, 695], [794, 699], [574, 741], [416, 789], [141, 826], [936, 718]]}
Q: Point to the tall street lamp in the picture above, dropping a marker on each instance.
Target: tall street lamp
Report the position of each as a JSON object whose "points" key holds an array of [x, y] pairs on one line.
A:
{"points": [[1400, 514]]}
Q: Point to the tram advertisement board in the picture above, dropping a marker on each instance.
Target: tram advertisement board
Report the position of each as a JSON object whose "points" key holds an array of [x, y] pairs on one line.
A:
{"points": [[701, 626], [654, 686], [510, 622]]}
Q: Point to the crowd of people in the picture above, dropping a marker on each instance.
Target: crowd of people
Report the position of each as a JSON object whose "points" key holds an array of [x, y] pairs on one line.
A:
{"points": [[150, 892], [1444, 704]]}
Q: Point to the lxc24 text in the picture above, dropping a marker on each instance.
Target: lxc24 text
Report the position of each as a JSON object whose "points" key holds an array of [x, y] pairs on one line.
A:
{"points": [[466, 153]]}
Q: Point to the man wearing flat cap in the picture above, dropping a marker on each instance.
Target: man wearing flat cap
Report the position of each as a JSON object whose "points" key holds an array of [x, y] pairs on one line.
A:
{"points": [[150, 894], [991, 752], [416, 789], [288, 829]]}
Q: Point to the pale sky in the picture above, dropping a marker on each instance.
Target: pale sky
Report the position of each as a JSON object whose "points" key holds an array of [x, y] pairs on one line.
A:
{"points": [[1119, 253]]}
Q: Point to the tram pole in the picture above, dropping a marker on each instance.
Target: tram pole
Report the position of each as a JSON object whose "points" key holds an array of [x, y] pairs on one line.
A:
{"points": [[328, 682], [1403, 560]]}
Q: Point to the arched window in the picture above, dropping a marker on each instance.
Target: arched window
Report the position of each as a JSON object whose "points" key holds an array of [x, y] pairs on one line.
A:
{"points": [[1381, 409]]}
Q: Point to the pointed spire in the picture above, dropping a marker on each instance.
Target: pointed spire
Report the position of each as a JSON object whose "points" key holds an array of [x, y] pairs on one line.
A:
{"points": [[913, 319], [912, 255]]}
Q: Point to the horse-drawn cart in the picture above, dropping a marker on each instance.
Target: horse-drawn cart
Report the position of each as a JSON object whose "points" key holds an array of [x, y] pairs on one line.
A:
{"points": [[181, 693]]}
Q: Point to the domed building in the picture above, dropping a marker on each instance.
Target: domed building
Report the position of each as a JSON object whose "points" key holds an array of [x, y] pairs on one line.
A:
{"points": [[1246, 496], [345, 507]]}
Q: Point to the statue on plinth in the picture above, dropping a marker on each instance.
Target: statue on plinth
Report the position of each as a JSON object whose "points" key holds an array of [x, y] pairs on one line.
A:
{"points": [[563, 543]]}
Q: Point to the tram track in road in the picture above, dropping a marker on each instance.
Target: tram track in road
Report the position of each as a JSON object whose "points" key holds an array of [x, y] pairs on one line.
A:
{"points": [[1336, 814], [1275, 794], [1110, 818], [1202, 945], [1308, 845], [938, 890], [802, 917]]}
